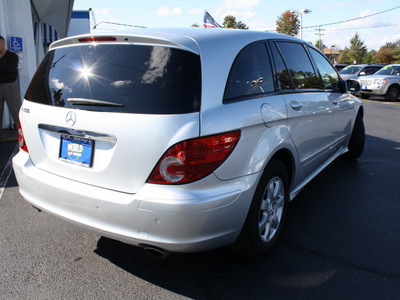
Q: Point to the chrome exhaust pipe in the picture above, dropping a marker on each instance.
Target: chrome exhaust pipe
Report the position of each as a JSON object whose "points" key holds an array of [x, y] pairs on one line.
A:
{"points": [[155, 251]]}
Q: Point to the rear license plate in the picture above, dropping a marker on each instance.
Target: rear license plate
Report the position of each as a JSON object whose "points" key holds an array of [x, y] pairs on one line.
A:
{"points": [[76, 150]]}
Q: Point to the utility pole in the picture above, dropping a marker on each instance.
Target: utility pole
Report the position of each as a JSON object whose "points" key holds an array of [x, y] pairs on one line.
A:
{"points": [[319, 35]]}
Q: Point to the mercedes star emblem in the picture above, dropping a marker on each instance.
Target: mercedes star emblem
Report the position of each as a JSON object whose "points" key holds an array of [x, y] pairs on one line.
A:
{"points": [[71, 118]]}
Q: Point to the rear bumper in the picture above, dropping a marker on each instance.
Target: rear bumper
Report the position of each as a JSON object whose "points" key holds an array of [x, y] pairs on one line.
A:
{"points": [[188, 218]]}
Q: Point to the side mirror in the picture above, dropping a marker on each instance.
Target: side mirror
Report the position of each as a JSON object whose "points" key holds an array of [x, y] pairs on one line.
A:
{"points": [[353, 86], [362, 73]]}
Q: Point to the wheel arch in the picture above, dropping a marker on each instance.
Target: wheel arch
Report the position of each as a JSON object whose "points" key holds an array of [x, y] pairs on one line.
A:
{"points": [[394, 84], [286, 157]]}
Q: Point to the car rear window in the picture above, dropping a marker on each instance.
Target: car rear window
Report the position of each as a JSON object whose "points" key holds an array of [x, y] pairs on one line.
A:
{"points": [[119, 78]]}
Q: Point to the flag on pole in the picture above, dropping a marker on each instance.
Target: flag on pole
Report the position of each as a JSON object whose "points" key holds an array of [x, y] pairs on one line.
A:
{"points": [[209, 21]]}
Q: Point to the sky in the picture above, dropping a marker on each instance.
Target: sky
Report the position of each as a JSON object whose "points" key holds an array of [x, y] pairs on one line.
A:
{"points": [[375, 31]]}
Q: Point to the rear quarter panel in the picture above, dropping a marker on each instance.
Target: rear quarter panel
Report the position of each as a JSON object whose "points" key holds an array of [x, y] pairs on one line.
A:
{"points": [[261, 136]]}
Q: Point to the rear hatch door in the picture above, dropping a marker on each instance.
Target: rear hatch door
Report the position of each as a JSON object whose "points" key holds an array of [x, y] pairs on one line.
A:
{"points": [[104, 114]]}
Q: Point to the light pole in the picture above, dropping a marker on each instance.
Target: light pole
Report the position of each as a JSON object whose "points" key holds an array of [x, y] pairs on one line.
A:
{"points": [[300, 12]]}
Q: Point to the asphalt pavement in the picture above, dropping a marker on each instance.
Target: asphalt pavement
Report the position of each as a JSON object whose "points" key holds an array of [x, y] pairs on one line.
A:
{"points": [[341, 241]]}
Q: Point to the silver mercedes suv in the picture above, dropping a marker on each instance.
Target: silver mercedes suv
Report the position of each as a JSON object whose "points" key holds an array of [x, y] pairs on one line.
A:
{"points": [[182, 140]]}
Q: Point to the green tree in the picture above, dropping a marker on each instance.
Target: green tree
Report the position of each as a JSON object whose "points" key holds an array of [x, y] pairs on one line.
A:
{"points": [[288, 23], [241, 25], [344, 57], [357, 49], [230, 22], [320, 44], [195, 25], [370, 57]]}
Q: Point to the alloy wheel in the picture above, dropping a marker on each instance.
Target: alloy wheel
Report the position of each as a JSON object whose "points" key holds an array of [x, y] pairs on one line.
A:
{"points": [[271, 209], [393, 94]]}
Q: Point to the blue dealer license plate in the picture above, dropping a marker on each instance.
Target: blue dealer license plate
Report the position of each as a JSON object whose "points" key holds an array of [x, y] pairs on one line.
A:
{"points": [[76, 150]]}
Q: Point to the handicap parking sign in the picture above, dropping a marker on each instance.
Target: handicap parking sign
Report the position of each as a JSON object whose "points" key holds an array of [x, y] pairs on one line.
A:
{"points": [[16, 44]]}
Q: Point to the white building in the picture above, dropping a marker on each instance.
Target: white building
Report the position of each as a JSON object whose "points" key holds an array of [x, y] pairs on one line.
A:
{"points": [[80, 22], [35, 23]]}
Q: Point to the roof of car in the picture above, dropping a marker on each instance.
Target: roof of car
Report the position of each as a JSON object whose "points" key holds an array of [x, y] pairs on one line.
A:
{"points": [[190, 38], [366, 65], [217, 48]]}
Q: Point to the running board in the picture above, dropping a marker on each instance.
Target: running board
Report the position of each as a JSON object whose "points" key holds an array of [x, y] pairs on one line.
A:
{"points": [[316, 172]]}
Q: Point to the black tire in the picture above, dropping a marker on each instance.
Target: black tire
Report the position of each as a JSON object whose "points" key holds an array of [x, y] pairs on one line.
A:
{"points": [[253, 241], [357, 140], [392, 94], [364, 96]]}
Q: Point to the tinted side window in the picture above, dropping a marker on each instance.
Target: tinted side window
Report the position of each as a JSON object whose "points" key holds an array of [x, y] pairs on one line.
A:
{"points": [[371, 70], [250, 74], [282, 74], [368, 71], [299, 65], [330, 78], [376, 69]]}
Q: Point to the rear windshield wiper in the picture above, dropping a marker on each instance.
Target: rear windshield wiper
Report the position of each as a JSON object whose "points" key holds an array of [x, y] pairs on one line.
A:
{"points": [[94, 102]]}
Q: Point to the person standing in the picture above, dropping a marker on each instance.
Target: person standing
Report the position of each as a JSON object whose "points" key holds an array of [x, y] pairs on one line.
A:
{"points": [[9, 90]]}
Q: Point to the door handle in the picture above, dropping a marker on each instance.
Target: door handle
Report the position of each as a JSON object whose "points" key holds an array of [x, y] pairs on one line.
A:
{"points": [[296, 105]]}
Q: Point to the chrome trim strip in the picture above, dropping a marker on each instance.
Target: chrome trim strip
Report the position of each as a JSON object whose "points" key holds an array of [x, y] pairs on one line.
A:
{"points": [[313, 156], [80, 133]]}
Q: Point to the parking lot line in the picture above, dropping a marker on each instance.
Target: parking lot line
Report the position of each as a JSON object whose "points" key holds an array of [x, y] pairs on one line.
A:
{"points": [[5, 175]]}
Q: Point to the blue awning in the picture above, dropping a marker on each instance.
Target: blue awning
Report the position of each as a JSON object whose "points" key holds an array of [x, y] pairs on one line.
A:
{"points": [[49, 34]]}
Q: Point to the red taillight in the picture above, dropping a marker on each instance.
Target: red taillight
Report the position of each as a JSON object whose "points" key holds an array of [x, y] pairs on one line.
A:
{"points": [[21, 140], [192, 160], [97, 39]]}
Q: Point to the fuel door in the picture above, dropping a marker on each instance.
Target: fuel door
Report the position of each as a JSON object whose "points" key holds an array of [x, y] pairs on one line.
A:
{"points": [[268, 114]]}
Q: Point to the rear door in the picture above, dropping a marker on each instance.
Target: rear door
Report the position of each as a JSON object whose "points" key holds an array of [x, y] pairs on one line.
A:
{"points": [[310, 119], [104, 114]]}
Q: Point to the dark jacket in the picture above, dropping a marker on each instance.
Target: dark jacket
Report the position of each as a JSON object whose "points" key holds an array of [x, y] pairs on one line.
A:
{"points": [[8, 67]]}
